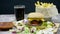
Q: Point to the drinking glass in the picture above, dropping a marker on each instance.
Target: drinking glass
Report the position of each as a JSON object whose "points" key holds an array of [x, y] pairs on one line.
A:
{"points": [[19, 12]]}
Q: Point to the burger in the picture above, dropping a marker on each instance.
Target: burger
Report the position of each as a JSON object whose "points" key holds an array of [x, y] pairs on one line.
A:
{"points": [[5, 26], [35, 18]]}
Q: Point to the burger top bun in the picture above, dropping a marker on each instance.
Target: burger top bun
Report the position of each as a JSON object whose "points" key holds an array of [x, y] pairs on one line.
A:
{"points": [[35, 15]]}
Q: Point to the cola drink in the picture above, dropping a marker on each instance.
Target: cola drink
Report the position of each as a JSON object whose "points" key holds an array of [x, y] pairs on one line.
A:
{"points": [[19, 12]]}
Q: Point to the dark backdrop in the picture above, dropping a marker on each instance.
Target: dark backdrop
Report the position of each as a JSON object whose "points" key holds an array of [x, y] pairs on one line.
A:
{"points": [[7, 6]]}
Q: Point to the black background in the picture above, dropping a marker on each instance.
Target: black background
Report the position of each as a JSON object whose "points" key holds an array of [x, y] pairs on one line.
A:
{"points": [[7, 6]]}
